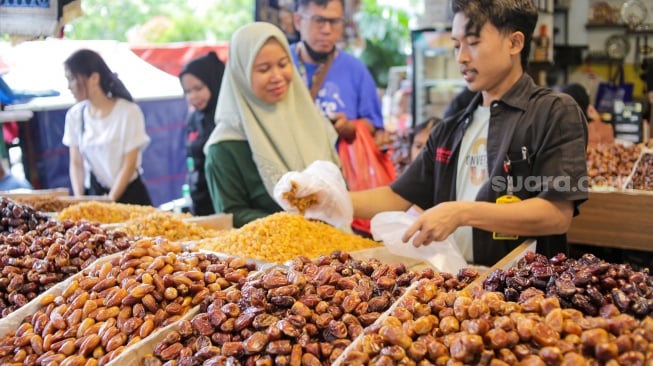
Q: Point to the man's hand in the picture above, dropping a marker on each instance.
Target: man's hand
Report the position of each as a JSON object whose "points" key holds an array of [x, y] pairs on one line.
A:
{"points": [[435, 224], [344, 127]]}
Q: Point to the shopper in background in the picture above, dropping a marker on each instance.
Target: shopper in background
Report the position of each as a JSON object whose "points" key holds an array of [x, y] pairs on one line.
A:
{"points": [[420, 135], [105, 132], [599, 132], [266, 125], [499, 149], [201, 79], [340, 84]]}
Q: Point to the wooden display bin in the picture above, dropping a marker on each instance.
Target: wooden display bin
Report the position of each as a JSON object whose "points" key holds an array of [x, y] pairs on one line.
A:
{"points": [[218, 221], [510, 260], [615, 219], [27, 193]]}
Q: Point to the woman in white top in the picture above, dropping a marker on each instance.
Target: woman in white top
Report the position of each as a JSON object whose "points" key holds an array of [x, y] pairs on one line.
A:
{"points": [[105, 132]]}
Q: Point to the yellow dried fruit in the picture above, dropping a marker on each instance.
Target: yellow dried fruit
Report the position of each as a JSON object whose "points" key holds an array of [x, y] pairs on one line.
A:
{"points": [[283, 236], [302, 203]]}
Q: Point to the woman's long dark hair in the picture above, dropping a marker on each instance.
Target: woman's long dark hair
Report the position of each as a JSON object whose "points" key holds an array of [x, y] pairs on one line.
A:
{"points": [[85, 62]]}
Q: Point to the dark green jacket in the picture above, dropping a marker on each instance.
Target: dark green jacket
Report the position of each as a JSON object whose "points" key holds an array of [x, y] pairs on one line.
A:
{"points": [[235, 184]]}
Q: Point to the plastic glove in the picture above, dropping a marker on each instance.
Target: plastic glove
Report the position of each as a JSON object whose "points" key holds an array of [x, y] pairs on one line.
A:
{"points": [[390, 226], [325, 181]]}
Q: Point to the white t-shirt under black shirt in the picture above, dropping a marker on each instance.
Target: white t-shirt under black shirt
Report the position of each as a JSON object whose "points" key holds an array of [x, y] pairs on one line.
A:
{"points": [[107, 140], [472, 173]]}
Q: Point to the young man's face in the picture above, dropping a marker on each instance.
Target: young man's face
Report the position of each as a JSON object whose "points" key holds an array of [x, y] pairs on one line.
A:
{"points": [[321, 27], [485, 59]]}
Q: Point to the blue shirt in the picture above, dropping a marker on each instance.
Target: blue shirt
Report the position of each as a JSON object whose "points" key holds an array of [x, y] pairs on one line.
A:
{"points": [[348, 88]]}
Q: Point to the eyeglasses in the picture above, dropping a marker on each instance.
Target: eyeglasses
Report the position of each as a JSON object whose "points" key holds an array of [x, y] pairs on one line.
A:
{"points": [[321, 21]]}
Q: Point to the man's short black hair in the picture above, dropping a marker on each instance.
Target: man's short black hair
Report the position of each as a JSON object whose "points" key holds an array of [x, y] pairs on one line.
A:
{"points": [[505, 15], [321, 3]]}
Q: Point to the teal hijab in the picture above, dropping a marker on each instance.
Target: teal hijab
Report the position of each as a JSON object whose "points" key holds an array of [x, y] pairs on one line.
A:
{"points": [[285, 136]]}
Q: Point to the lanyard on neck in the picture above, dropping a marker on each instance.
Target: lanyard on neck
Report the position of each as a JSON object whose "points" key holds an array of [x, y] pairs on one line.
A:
{"points": [[319, 75]]}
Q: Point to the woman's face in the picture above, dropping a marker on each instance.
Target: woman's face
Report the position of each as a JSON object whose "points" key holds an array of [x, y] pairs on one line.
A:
{"points": [[77, 86], [418, 143], [272, 72], [196, 92]]}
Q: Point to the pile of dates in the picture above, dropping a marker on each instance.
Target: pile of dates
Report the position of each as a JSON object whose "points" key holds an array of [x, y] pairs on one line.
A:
{"points": [[35, 260], [610, 165], [111, 306], [429, 327], [18, 217], [643, 175], [587, 284], [304, 314]]}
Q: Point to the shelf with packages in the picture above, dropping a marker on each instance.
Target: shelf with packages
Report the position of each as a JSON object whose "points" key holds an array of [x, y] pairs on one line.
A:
{"points": [[435, 75], [605, 26]]}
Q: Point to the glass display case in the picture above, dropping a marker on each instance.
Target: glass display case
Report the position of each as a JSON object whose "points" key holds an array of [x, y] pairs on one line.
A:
{"points": [[436, 78]]}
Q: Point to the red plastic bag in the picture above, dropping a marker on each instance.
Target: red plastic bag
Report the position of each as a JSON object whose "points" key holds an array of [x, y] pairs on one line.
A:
{"points": [[364, 166]]}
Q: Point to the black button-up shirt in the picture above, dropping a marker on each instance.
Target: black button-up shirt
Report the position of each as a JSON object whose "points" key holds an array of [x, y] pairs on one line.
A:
{"points": [[548, 127]]}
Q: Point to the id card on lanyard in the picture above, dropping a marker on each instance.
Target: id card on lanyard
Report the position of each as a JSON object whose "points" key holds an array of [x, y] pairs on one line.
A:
{"points": [[507, 198]]}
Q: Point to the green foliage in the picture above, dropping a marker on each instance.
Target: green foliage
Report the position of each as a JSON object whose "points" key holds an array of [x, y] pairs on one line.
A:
{"points": [[175, 20], [387, 36]]}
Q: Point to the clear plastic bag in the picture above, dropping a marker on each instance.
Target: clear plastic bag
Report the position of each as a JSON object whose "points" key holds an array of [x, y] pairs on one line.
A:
{"points": [[390, 226], [324, 179]]}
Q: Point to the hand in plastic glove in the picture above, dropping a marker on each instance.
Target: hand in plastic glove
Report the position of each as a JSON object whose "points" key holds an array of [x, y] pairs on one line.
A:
{"points": [[389, 227], [435, 224], [324, 181]]}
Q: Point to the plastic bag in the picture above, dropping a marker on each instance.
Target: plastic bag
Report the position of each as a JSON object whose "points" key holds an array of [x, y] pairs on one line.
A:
{"points": [[364, 165], [615, 91], [390, 226], [324, 179]]}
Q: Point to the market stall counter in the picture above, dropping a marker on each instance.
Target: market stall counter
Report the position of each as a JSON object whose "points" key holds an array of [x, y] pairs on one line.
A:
{"points": [[615, 220], [620, 205], [157, 303]]}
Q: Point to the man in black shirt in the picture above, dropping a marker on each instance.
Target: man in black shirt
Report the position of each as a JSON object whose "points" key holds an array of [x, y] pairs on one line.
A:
{"points": [[515, 143]]}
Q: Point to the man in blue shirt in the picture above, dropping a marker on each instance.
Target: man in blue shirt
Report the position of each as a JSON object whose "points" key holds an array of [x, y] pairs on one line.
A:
{"points": [[341, 85]]}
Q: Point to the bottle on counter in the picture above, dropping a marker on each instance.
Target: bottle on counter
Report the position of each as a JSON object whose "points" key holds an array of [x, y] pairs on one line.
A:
{"points": [[542, 45], [185, 194]]}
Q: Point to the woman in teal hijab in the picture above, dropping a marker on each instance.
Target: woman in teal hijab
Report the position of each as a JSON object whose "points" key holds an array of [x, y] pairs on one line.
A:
{"points": [[266, 125]]}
